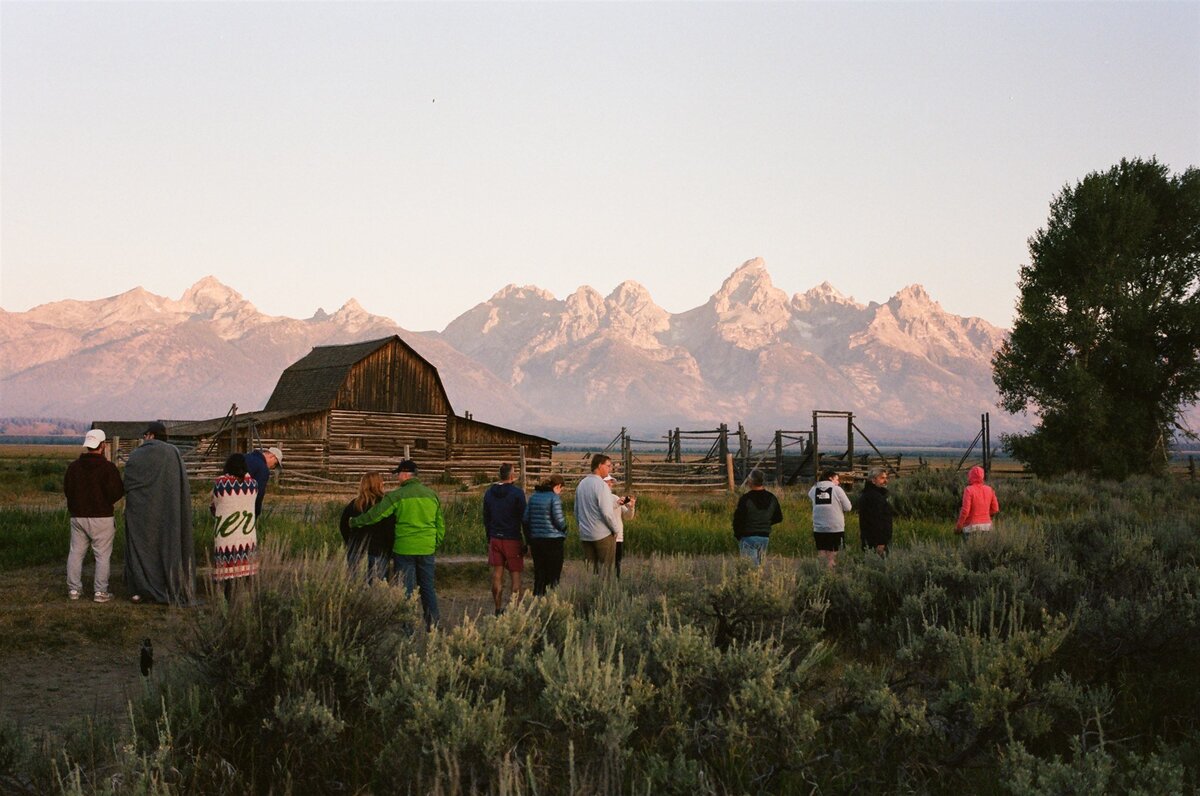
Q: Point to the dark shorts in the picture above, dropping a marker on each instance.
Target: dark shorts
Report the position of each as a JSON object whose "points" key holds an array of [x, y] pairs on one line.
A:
{"points": [[506, 553], [830, 541]]}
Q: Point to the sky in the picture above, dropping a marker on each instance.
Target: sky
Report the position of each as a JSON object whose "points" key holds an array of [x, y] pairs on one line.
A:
{"points": [[419, 157]]}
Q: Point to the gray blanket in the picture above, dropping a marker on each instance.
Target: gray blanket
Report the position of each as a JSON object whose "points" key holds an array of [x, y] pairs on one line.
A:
{"points": [[158, 525]]}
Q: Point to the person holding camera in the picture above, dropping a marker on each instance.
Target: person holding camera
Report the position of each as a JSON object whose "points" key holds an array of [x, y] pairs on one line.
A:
{"points": [[623, 509]]}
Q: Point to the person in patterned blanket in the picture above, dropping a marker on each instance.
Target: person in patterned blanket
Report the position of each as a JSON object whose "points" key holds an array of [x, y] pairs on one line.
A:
{"points": [[235, 538]]}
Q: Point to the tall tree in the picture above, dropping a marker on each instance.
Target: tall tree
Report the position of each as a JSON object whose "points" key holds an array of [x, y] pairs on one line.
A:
{"points": [[1106, 344]]}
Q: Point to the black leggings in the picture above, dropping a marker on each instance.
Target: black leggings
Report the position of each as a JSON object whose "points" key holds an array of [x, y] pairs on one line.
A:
{"points": [[547, 563]]}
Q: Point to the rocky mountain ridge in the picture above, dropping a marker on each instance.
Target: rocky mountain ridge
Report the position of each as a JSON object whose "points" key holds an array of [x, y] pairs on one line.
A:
{"points": [[528, 360]]}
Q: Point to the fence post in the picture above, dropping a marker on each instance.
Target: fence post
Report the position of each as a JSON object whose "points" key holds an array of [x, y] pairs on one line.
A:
{"points": [[729, 470], [816, 451], [521, 459], [627, 459], [778, 458], [850, 439], [987, 444], [723, 441], [743, 447]]}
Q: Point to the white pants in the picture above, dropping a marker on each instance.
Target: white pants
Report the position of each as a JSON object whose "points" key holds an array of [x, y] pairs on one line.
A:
{"points": [[98, 532], [983, 527]]}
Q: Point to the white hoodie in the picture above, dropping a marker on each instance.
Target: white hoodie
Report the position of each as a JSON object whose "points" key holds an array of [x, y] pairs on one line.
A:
{"points": [[829, 506]]}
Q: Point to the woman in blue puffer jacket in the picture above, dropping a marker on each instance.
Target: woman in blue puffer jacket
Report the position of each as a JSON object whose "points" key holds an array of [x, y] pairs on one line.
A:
{"points": [[545, 527]]}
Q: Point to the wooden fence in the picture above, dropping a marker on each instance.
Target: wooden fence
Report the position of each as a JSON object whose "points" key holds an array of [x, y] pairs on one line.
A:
{"points": [[723, 460]]}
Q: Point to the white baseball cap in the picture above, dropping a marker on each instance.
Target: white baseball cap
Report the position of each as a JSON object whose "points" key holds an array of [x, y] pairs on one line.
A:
{"points": [[93, 439]]}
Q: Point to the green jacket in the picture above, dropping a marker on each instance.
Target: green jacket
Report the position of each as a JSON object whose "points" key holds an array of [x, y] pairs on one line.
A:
{"points": [[420, 526]]}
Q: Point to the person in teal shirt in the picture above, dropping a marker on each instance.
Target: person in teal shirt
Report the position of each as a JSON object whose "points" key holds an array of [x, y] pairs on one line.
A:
{"points": [[420, 528]]}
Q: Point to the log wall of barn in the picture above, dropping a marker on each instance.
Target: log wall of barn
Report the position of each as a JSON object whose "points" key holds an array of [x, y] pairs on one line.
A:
{"points": [[302, 440], [466, 435], [360, 442], [393, 380]]}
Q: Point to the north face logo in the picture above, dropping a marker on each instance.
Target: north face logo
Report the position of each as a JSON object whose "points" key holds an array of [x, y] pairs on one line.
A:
{"points": [[824, 496]]}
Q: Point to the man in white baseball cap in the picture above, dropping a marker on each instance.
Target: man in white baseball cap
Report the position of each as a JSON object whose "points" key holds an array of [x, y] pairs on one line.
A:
{"points": [[92, 486]]}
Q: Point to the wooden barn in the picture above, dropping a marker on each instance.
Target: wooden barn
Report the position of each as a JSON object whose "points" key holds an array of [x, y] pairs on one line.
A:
{"points": [[343, 410]]}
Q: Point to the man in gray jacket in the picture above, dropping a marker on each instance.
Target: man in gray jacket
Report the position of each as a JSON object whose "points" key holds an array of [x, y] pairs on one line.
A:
{"points": [[593, 512]]}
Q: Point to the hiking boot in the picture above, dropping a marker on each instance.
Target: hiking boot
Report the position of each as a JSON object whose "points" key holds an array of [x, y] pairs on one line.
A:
{"points": [[73, 595], [102, 597]]}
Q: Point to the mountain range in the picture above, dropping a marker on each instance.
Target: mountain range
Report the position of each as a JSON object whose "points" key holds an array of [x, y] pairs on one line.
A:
{"points": [[587, 364]]}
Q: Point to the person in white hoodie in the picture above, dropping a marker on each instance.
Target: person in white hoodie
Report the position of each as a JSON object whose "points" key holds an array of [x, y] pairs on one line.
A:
{"points": [[830, 505], [623, 509]]}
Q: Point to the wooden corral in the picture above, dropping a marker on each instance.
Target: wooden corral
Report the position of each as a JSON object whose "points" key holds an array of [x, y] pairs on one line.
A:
{"points": [[345, 410]]}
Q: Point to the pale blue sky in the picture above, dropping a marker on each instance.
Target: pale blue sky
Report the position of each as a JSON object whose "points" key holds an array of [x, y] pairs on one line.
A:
{"points": [[418, 157]]}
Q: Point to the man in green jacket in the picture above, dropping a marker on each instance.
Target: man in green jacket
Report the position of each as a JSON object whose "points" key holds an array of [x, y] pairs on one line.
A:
{"points": [[420, 528]]}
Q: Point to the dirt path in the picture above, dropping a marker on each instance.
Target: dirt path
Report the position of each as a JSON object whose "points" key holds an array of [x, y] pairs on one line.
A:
{"points": [[64, 661]]}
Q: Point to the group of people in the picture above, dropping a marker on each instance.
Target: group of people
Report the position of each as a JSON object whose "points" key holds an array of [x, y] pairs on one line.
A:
{"points": [[159, 564], [401, 530], [397, 533], [758, 510]]}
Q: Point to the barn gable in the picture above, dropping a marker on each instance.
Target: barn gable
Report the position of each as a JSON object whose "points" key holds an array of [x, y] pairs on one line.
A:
{"points": [[383, 375]]}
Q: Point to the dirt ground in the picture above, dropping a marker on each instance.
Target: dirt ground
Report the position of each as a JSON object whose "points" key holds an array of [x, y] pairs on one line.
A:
{"points": [[63, 661]]}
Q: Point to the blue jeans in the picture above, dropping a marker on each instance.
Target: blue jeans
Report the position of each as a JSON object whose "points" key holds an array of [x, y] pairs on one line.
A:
{"points": [[417, 571], [754, 548]]}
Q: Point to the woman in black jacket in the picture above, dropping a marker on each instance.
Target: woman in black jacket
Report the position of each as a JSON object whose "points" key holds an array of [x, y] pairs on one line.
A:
{"points": [[373, 540]]}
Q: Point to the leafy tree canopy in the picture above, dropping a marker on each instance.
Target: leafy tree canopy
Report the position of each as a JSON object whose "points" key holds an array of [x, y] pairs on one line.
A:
{"points": [[1106, 344]]}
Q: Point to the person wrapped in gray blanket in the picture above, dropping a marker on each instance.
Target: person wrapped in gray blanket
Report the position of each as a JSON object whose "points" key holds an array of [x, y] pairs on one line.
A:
{"points": [[159, 565]]}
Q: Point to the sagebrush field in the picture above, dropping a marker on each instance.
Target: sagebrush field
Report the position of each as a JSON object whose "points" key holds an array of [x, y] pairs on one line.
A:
{"points": [[1057, 656]]}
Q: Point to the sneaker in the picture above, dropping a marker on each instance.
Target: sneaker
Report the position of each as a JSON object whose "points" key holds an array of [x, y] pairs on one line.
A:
{"points": [[72, 594], [102, 597]]}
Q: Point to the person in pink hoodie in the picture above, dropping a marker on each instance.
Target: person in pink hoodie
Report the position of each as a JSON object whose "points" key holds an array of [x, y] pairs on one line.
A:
{"points": [[978, 506]]}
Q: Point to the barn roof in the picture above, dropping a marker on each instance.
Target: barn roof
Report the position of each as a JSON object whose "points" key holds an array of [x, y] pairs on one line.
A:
{"points": [[125, 429], [311, 384]]}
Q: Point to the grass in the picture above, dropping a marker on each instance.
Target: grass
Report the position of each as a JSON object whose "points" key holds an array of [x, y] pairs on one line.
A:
{"points": [[37, 617]]}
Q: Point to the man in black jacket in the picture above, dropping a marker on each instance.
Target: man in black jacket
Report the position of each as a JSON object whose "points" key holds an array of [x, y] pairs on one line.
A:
{"points": [[756, 512], [874, 512], [92, 486]]}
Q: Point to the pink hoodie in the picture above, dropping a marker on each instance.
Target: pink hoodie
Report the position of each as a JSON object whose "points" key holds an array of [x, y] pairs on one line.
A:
{"points": [[979, 501]]}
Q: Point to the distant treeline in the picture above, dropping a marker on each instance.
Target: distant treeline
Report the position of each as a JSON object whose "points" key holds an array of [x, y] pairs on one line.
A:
{"points": [[39, 439], [42, 427]]}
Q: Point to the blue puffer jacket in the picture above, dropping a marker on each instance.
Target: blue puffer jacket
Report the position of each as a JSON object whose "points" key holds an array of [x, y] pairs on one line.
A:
{"points": [[544, 517]]}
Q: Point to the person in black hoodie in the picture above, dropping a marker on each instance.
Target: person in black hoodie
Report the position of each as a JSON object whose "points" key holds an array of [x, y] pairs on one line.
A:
{"points": [[92, 486], [874, 513], [757, 510]]}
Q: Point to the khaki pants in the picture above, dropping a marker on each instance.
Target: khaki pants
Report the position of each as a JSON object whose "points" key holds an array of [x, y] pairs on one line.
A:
{"points": [[98, 533], [602, 554]]}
